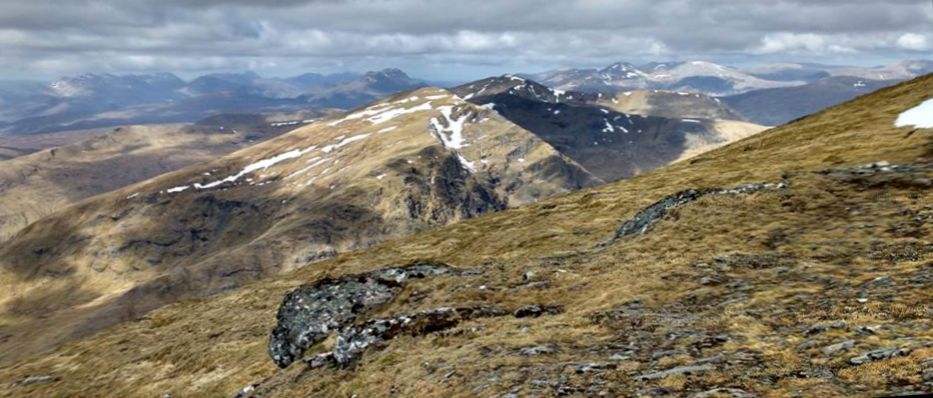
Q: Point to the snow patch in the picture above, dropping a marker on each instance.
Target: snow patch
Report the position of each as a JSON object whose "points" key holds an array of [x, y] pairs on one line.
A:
{"points": [[260, 165], [466, 163], [381, 113], [394, 113], [317, 162], [454, 127], [343, 142], [608, 128], [920, 116]]}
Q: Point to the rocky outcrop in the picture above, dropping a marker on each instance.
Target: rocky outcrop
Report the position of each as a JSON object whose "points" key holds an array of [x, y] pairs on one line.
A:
{"points": [[310, 313], [680, 370], [354, 340], [883, 174], [644, 219], [878, 355]]}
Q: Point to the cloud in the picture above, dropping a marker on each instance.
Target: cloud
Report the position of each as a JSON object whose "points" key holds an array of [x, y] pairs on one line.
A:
{"points": [[786, 42], [913, 41], [438, 38]]}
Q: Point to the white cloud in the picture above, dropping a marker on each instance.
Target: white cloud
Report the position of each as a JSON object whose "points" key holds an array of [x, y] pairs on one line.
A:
{"points": [[786, 42], [913, 41]]}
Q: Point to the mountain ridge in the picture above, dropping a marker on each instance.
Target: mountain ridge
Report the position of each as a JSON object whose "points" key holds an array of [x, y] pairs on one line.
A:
{"points": [[102, 100]]}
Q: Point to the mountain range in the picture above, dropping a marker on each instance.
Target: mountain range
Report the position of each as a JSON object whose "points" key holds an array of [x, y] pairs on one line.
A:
{"points": [[716, 79], [767, 95], [105, 100], [466, 242]]}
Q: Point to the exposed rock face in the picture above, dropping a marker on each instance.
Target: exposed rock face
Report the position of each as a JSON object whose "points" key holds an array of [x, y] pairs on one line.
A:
{"points": [[354, 340], [647, 217], [310, 313], [883, 174]]}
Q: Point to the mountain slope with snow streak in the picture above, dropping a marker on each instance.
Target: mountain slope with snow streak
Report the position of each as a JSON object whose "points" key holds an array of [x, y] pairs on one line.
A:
{"points": [[600, 131], [402, 165]]}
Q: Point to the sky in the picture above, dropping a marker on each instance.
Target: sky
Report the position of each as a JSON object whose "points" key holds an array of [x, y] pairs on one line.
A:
{"points": [[447, 39]]}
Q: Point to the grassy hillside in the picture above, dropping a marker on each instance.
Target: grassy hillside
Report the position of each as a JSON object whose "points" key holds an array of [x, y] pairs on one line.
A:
{"points": [[782, 292], [36, 185]]}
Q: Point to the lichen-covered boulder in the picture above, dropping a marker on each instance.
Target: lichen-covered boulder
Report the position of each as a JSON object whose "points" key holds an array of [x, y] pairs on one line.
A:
{"points": [[310, 313]]}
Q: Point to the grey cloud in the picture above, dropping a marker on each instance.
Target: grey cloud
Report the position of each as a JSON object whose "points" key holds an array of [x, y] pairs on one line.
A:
{"points": [[46, 37]]}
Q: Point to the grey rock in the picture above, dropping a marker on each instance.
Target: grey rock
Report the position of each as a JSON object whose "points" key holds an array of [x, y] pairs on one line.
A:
{"points": [[352, 341], [806, 345], [718, 358], [36, 380], [816, 329], [838, 347], [320, 360], [310, 313], [866, 330], [878, 355], [644, 219], [817, 373], [665, 353], [536, 310], [246, 392], [536, 350], [691, 369], [594, 367], [708, 280]]}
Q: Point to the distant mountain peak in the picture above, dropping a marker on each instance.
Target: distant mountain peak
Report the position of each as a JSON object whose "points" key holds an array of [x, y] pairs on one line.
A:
{"points": [[388, 73], [621, 67], [510, 84]]}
